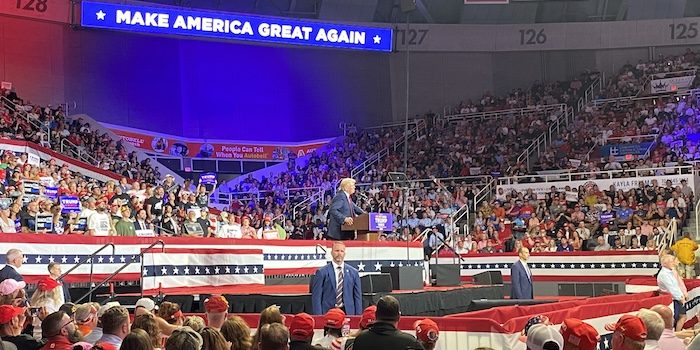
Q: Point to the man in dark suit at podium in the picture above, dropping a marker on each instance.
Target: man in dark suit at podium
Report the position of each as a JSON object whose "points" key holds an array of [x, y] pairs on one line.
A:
{"points": [[15, 258], [342, 211]]}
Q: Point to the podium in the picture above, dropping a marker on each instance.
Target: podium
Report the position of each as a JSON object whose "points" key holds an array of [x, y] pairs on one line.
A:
{"points": [[369, 225]]}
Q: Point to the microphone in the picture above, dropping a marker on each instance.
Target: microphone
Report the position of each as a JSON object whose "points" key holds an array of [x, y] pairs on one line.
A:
{"points": [[363, 196]]}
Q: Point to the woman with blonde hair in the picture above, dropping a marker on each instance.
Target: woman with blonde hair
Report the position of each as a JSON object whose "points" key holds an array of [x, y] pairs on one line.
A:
{"points": [[236, 331], [48, 297], [212, 339], [148, 323], [195, 322], [270, 315]]}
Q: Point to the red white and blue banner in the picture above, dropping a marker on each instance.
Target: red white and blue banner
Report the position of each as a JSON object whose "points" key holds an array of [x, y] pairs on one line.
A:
{"points": [[279, 258], [183, 270], [649, 284], [573, 266], [499, 328]]}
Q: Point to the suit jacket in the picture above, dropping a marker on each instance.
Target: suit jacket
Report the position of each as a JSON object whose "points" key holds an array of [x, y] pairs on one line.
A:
{"points": [[66, 292], [138, 226], [8, 272], [521, 284], [323, 290], [340, 209]]}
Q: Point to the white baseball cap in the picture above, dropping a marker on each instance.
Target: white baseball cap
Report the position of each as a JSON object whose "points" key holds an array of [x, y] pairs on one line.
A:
{"points": [[543, 337], [146, 303]]}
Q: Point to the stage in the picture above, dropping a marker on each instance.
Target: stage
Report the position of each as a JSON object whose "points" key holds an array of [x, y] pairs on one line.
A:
{"points": [[432, 301]]}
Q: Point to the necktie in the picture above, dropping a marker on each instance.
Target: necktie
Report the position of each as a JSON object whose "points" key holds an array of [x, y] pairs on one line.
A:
{"points": [[339, 287], [527, 271], [352, 207]]}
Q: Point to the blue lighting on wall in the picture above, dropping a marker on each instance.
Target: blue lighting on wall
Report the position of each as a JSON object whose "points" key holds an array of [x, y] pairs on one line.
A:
{"points": [[209, 24]]}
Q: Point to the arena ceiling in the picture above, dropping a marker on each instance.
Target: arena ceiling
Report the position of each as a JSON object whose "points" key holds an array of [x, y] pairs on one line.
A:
{"points": [[455, 11]]}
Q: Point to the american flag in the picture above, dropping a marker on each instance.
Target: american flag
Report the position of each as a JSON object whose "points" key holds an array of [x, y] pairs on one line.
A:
{"points": [[177, 270], [571, 266], [279, 258]]}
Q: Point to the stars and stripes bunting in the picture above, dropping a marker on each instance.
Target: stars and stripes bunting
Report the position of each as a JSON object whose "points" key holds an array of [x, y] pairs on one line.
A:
{"points": [[200, 269]]}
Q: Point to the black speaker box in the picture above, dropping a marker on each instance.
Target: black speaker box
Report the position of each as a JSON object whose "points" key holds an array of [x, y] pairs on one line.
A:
{"points": [[488, 278], [445, 274], [405, 277], [376, 283]]}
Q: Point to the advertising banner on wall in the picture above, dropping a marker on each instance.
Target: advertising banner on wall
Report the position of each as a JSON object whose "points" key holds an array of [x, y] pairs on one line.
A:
{"points": [[625, 184], [671, 84], [622, 150], [198, 148]]}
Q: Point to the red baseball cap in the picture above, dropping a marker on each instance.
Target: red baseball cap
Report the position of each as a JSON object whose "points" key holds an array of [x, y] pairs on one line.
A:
{"points": [[580, 334], [631, 327], [427, 330], [302, 326], [216, 303], [8, 312], [369, 316], [334, 318], [47, 283]]}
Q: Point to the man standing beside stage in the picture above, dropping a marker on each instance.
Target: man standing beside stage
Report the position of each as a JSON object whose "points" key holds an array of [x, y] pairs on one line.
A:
{"points": [[669, 283], [337, 285], [342, 211], [521, 277], [14, 258]]}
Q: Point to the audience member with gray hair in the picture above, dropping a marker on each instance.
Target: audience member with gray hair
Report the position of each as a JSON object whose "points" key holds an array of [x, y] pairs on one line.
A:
{"points": [[655, 328], [15, 259], [184, 338], [668, 339]]}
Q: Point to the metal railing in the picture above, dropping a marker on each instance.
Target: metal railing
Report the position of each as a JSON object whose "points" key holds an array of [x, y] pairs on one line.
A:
{"points": [[144, 251], [87, 259], [120, 269], [226, 198], [502, 113], [697, 218], [66, 147], [418, 125], [589, 94], [564, 116], [307, 202], [604, 174], [665, 240]]}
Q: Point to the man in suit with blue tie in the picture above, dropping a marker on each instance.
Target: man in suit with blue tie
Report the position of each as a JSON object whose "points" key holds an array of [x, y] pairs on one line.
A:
{"points": [[342, 211], [15, 258], [521, 277], [337, 285]]}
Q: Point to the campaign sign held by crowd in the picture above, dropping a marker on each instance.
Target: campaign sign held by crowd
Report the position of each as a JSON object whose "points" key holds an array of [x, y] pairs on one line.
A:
{"points": [[69, 204]]}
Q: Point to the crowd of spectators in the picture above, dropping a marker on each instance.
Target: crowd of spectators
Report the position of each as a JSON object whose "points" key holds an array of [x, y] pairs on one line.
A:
{"points": [[260, 208], [152, 325], [49, 126], [631, 79], [583, 218], [50, 322], [539, 93], [668, 125]]}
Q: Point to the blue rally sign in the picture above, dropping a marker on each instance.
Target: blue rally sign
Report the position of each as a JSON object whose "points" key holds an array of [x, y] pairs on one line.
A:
{"points": [[209, 24]]}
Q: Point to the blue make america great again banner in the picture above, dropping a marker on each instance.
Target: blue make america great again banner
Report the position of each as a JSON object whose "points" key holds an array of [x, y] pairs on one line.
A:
{"points": [[209, 24]]}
